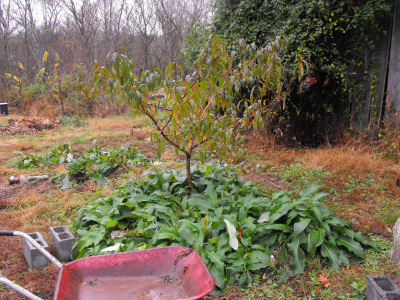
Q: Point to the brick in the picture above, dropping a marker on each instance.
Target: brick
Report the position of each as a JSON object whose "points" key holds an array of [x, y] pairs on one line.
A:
{"points": [[382, 288], [62, 241], [33, 256]]}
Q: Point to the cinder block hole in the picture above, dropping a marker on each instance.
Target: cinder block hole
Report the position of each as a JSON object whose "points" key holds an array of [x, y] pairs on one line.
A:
{"points": [[59, 229], [33, 235], [40, 243], [385, 285], [63, 236], [393, 296]]}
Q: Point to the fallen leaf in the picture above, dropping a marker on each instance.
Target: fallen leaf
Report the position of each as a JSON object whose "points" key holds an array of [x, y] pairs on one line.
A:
{"points": [[324, 281], [240, 234]]}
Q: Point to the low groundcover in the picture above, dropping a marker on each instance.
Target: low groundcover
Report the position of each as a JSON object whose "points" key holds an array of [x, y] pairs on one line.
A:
{"points": [[236, 228]]}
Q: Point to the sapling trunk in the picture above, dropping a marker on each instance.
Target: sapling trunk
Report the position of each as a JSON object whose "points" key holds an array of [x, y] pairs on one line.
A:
{"points": [[188, 172]]}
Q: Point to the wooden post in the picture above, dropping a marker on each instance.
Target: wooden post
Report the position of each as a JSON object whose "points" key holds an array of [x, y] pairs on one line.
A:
{"points": [[393, 86]]}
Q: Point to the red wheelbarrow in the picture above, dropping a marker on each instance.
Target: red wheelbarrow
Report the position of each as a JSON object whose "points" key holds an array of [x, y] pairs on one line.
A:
{"points": [[158, 273]]}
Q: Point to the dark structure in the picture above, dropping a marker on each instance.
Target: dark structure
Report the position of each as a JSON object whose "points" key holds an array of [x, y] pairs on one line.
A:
{"points": [[380, 99], [4, 109]]}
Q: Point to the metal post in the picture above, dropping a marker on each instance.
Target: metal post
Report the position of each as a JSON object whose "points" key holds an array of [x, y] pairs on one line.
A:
{"points": [[19, 289]]}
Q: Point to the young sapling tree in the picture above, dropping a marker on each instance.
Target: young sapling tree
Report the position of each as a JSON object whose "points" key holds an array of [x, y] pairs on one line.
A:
{"points": [[197, 111]]}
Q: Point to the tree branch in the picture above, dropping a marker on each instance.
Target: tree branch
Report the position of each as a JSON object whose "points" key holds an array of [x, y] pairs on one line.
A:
{"points": [[165, 136]]}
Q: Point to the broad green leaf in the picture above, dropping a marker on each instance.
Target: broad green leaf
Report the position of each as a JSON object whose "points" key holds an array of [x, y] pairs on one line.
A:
{"points": [[271, 238], [317, 212], [309, 189], [66, 184], [259, 260], [98, 178], [111, 223], [331, 252], [283, 210], [343, 258], [349, 232], [318, 196], [211, 193], [321, 234], [212, 256], [283, 196], [312, 242], [217, 275], [166, 235], [91, 215], [223, 241], [282, 227], [297, 260], [300, 226], [351, 245], [336, 221], [264, 217]]}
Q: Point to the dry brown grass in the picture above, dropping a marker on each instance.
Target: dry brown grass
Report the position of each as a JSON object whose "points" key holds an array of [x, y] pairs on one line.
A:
{"points": [[113, 124], [345, 160]]}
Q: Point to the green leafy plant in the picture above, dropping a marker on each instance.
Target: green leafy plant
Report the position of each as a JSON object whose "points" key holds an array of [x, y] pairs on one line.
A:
{"points": [[57, 155], [238, 231], [98, 163], [299, 227]]}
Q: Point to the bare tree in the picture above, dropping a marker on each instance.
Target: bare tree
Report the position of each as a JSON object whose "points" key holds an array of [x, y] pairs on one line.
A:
{"points": [[51, 15], [84, 19], [6, 31], [82, 31], [25, 18], [175, 18], [116, 16]]}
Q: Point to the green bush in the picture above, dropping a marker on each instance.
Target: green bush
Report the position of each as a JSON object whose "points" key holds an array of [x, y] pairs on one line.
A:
{"points": [[335, 37], [238, 231]]}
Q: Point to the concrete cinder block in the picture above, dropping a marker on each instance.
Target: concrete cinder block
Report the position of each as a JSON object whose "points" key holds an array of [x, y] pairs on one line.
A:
{"points": [[382, 288], [62, 241], [33, 256]]}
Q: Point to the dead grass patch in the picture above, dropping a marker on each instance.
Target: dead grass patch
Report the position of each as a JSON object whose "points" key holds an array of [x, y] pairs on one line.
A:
{"points": [[112, 124], [73, 205], [342, 160]]}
